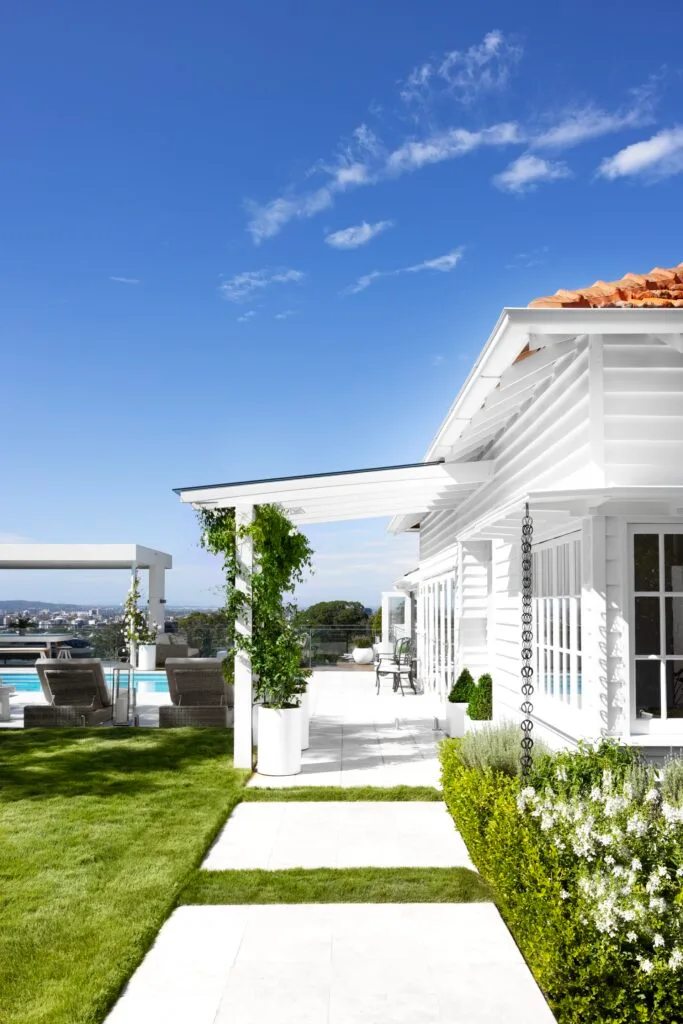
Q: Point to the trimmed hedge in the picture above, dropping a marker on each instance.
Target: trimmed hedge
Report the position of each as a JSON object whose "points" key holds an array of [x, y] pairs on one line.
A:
{"points": [[481, 700], [584, 973], [461, 691]]}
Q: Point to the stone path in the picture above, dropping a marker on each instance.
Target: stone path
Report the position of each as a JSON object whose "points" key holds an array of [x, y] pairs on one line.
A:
{"points": [[361, 739], [352, 834]]}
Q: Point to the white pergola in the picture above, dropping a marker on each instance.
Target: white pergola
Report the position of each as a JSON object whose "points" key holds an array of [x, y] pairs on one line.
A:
{"points": [[96, 556], [408, 490]]}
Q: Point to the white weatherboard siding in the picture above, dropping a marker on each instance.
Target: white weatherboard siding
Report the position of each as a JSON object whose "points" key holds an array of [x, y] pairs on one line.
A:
{"points": [[475, 561], [506, 630]]}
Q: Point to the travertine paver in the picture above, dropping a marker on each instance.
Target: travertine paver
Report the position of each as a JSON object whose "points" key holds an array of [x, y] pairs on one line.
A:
{"points": [[351, 834], [358, 738], [334, 964]]}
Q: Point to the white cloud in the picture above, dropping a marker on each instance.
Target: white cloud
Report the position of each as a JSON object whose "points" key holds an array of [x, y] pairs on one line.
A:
{"points": [[523, 260], [587, 123], [465, 74], [125, 280], [652, 159], [444, 264], [438, 360], [456, 142], [246, 317], [242, 286], [285, 314], [525, 173], [360, 234]]}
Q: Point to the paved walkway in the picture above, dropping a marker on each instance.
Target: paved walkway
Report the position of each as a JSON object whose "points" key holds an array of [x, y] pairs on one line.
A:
{"points": [[351, 834], [361, 739]]}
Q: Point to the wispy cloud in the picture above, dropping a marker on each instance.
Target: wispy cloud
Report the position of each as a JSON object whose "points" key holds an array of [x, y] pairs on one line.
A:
{"points": [[360, 234], [588, 123], [522, 260], [651, 160], [456, 142], [526, 172], [125, 280], [465, 74], [246, 317], [242, 286], [285, 314], [438, 360], [444, 264]]}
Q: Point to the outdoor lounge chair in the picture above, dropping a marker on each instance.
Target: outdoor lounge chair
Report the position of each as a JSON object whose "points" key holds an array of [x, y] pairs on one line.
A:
{"points": [[398, 665], [76, 693], [199, 693]]}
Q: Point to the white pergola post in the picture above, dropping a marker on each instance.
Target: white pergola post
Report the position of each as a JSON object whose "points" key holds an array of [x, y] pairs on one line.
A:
{"points": [[132, 653], [156, 610], [244, 516]]}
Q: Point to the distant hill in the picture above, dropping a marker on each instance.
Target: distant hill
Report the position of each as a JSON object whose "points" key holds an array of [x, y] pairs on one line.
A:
{"points": [[26, 606]]}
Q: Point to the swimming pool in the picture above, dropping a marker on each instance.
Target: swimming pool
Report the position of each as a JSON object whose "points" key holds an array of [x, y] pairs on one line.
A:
{"points": [[28, 682]]}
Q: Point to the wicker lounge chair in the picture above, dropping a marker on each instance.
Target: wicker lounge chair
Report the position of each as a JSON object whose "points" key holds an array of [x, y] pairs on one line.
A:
{"points": [[76, 692], [199, 693]]}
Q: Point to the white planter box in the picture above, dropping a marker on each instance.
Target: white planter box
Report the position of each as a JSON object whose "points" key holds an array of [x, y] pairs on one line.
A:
{"points": [[147, 657], [363, 655], [471, 725], [279, 741], [455, 719], [305, 710]]}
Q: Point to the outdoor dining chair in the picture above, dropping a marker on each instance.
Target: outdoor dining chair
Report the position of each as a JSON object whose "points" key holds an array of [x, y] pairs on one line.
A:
{"points": [[398, 665]]}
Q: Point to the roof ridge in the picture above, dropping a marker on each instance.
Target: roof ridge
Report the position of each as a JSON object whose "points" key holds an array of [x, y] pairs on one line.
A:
{"points": [[662, 286]]}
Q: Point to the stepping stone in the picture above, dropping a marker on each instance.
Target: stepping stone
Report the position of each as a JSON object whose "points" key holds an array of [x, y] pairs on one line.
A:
{"points": [[348, 834], [333, 964]]}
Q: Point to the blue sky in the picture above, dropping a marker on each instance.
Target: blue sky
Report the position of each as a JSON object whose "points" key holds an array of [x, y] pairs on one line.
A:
{"points": [[262, 239]]}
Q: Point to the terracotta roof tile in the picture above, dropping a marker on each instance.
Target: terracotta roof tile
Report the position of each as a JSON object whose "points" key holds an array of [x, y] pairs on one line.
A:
{"points": [[661, 287]]}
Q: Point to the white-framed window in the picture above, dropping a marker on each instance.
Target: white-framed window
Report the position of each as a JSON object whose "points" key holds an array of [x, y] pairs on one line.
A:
{"points": [[657, 616], [437, 631], [557, 620]]}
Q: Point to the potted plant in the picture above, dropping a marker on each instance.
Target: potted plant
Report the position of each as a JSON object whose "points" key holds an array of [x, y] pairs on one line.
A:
{"points": [[456, 705], [280, 555], [362, 652], [139, 633], [480, 708]]}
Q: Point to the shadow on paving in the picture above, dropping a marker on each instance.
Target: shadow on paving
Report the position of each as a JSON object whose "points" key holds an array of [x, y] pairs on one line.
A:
{"points": [[40, 764]]}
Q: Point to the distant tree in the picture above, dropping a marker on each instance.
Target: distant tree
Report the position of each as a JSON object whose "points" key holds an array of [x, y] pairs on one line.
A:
{"points": [[22, 622], [333, 613], [376, 622], [208, 631], [109, 640]]}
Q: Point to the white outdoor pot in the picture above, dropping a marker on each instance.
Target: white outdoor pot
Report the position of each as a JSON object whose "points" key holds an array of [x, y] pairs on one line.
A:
{"points": [[279, 741], [455, 719], [305, 709], [474, 725], [147, 657], [363, 655]]}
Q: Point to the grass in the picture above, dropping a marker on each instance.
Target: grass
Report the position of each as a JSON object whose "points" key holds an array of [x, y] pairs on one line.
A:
{"points": [[338, 885], [254, 794], [100, 830]]}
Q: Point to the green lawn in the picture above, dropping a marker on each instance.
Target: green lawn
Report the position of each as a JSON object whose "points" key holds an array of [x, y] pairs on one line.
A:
{"points": [[324, 793], [338, 885], [100, 830]]}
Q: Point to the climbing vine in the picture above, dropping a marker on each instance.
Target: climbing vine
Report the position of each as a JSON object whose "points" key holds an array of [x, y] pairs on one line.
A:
{"points": [[281, 556]]}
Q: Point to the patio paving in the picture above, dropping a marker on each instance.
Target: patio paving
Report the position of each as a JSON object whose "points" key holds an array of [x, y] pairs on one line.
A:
{"points": [[358, 738], [333, 964], [338, 835]]}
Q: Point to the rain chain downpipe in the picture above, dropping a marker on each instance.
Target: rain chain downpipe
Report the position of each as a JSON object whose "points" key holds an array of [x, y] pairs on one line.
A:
{"points": [[527, 707]]}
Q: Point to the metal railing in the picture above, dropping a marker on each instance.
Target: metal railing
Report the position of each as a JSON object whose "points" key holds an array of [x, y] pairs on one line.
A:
{"points": [[328, 645]]}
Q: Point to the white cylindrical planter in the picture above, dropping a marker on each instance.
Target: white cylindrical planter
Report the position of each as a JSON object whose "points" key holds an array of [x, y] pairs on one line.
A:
{"points": [[147, 657], [279, 741], [363, 655], [455, 719], [476, 725], [305, 710]]}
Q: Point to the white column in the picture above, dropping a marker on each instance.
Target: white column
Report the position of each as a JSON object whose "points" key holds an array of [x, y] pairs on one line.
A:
{"points": [[133, 649], [244, 516], [156, 610]]}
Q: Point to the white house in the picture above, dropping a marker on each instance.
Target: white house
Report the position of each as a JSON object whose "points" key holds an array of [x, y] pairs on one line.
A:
{"points": [[574, 407]]}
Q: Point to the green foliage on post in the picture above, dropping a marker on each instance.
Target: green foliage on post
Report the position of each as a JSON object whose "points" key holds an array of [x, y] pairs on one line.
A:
{"points": [[462, 688], [481, 701], [281, 554], [135, 626]]}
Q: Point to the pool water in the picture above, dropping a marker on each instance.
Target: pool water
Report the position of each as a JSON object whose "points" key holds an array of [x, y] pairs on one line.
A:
{"points": [[28, 682]]}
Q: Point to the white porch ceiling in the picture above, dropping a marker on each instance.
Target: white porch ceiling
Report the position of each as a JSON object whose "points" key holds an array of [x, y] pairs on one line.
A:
{"points": [[408, 490]]}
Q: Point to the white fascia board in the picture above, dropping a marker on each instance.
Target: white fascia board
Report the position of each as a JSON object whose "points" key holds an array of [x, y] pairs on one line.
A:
{"points": [[81, 556]]}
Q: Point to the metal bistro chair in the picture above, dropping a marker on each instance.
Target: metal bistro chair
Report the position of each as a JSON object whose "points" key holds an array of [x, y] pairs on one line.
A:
{"points": [[397, 665]]}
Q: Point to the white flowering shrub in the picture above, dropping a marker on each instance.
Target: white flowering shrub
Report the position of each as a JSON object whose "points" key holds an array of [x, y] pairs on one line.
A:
{"points": [[586, 860]]}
